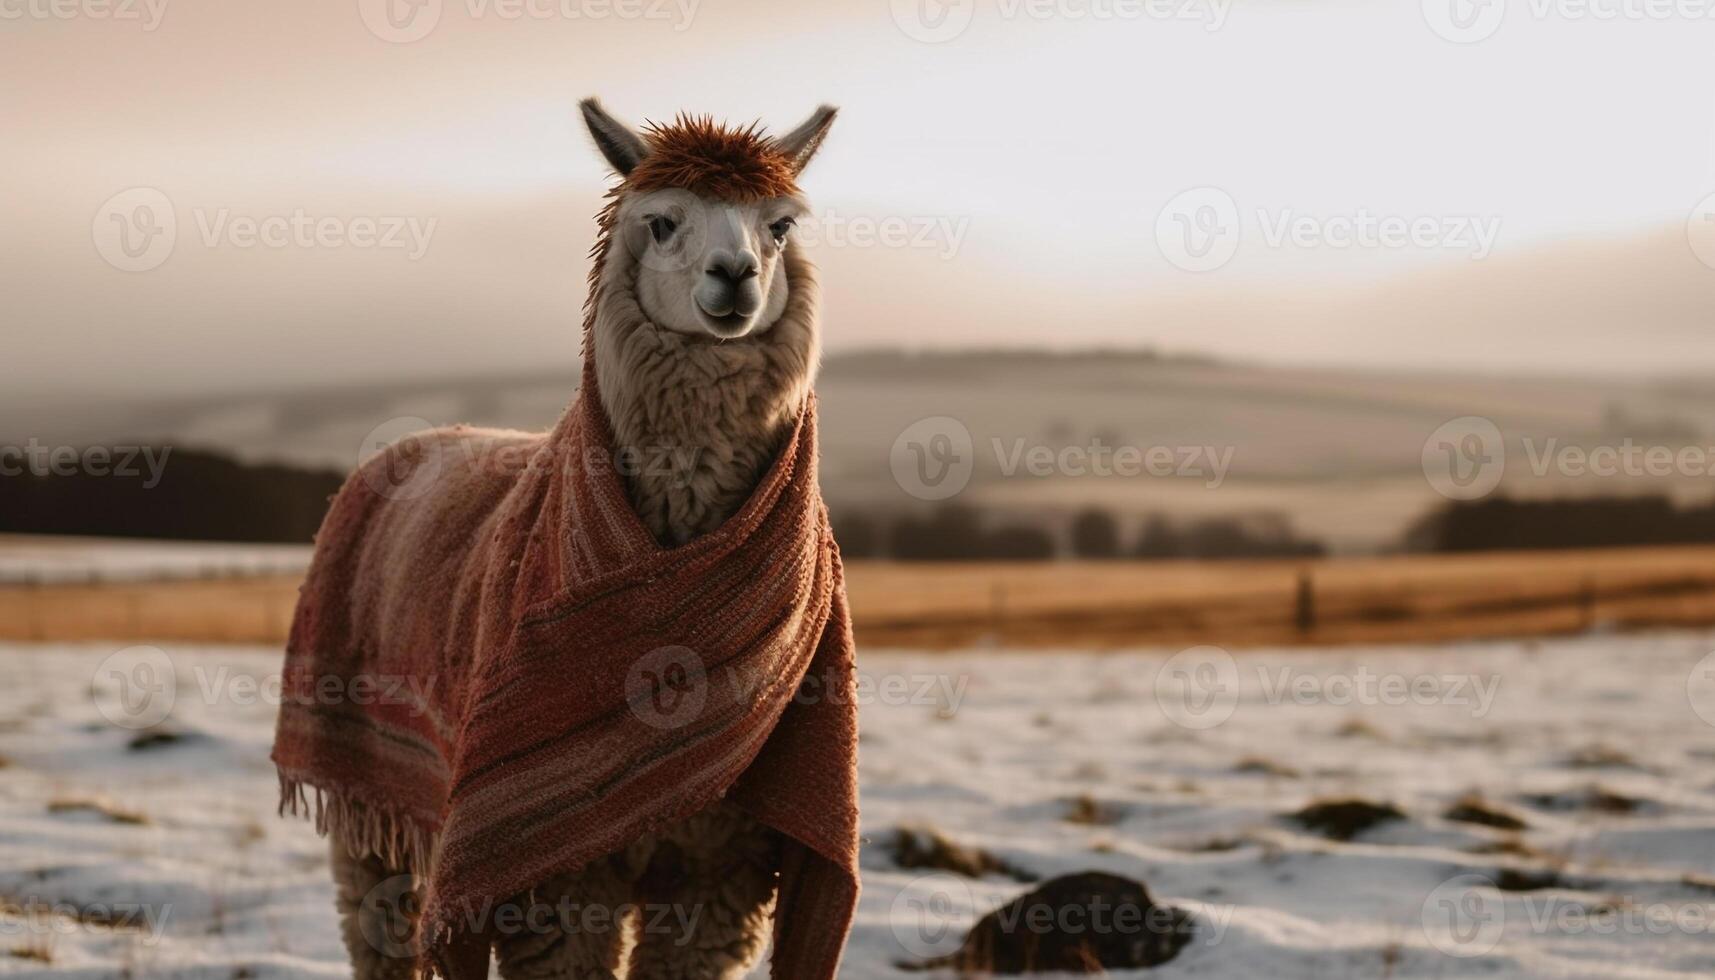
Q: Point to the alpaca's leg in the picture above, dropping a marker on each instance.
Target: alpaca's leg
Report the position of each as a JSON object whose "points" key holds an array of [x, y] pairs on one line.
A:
{"points": [[706, 899], [378, 916], [573, 927]]}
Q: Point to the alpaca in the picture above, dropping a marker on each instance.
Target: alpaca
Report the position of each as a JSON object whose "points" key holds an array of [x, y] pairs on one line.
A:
{"points": [[703, 315]]}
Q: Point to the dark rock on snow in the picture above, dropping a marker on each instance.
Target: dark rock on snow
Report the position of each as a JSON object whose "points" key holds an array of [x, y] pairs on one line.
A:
{"points": [[1089, 922]]}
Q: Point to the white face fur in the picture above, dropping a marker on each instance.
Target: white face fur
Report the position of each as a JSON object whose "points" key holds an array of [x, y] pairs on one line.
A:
{"points": [[707, 267]]}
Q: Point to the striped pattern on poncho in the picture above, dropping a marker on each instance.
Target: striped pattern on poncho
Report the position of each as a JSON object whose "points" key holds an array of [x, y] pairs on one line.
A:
{"points": [[543, 683]]}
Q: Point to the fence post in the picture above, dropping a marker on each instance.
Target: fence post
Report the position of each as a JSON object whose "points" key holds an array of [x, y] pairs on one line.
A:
{"points": [[1587, 602], [33, 599], [1304, 612]]}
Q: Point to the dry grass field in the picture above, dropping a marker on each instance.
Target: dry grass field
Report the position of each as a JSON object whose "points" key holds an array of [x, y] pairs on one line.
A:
{"points": [[1091, 605], [1401, 599]]}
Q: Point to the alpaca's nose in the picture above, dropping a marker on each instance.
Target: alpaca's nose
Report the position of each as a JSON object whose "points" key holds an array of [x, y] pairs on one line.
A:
{"points": [[732, 270], [731, 286]]}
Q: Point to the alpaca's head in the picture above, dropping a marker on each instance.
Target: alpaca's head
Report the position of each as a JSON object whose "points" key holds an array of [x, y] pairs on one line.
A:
{"points": [[705, 213]]}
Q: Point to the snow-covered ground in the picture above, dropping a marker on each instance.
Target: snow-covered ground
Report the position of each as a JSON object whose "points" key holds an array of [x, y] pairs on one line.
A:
{"points": [[1176, 768], [68, 559]]}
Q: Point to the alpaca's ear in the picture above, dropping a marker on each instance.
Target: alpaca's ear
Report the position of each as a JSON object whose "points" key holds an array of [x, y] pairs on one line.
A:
{"points": [[802, 143], [622, 147]]}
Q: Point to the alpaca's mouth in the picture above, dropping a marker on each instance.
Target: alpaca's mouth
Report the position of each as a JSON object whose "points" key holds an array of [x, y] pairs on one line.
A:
{"points": [[727, 326]]}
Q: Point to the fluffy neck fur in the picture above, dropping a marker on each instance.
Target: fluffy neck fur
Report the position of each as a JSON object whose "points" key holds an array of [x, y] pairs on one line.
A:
{"points": [[700, 419]]}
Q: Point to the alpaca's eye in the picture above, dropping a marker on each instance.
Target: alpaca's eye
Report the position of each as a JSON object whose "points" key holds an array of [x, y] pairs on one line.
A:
{"points": [[780, 228], [661, 228]]}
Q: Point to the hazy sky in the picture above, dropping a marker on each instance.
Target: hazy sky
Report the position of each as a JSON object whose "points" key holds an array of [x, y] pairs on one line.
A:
{"points": [[1530, 191]]}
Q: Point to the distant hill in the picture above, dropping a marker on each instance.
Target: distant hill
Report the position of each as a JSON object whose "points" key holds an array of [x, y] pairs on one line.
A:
{"points": [[1336, 453]]}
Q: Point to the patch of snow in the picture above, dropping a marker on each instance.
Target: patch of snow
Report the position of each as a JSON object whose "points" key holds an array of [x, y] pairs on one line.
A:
{"points": [[993, 750], [42, 560]]}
